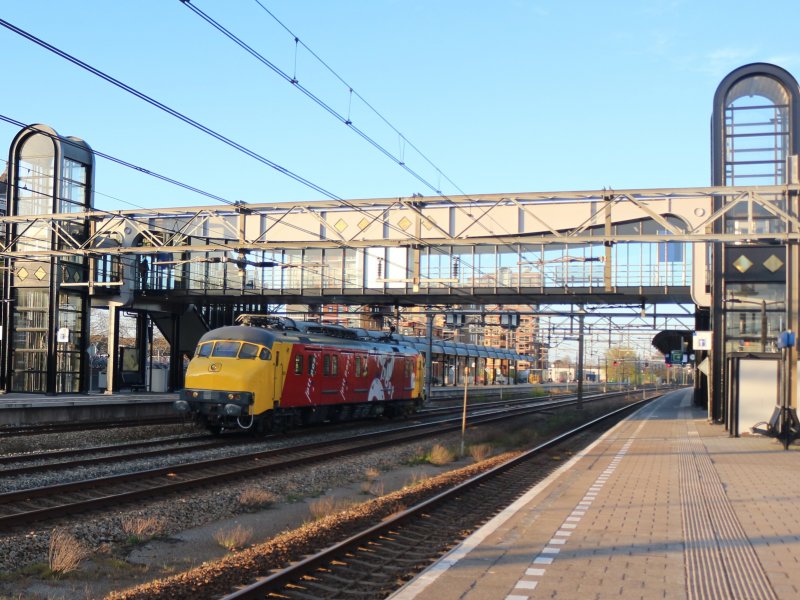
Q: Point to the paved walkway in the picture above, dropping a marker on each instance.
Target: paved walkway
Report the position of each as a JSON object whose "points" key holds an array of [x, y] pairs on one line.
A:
{"points": [[663, 506]]}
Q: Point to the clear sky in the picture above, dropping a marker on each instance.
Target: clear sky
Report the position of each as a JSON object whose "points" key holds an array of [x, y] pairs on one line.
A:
{"points": [[505, 96]]}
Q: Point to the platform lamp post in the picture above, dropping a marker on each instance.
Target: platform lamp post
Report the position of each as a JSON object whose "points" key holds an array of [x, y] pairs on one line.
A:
{"points": [[581, 317], [464, 413]]}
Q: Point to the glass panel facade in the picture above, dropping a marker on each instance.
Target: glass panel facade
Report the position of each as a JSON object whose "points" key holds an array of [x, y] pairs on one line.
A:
{"points": [[755, 314], [756, 134], [42, 342], [312, 269], [73, 188], [68, 353], [756, 147], [35, 176], [29, 340], [333, 260], [353, 268]]}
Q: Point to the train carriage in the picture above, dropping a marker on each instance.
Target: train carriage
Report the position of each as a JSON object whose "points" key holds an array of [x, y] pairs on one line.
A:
{"points": [[265, 378]]}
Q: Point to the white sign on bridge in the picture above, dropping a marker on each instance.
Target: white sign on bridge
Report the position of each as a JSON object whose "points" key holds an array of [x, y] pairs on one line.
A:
{"points": [[701, 340]]}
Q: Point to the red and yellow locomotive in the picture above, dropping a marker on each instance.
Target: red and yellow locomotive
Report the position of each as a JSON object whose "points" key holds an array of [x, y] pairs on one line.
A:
{"points": [[276, 373]]}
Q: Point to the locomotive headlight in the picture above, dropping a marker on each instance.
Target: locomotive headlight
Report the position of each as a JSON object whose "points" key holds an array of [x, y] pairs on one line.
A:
{"points": [[233, 396], [232, 410], [195, 394], [181, 405]]}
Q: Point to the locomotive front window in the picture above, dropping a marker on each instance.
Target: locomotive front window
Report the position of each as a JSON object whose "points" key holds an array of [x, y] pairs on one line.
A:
{"points": [[248, 351], [264, 354], [205, 349], [225, 349]]}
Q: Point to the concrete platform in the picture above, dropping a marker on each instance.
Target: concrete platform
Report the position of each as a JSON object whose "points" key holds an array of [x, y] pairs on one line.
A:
{"points": [[663, 506], [33, 409]]}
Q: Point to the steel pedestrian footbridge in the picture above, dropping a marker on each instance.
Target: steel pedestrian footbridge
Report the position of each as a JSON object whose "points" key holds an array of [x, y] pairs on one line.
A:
{"points": [[568, 247]]}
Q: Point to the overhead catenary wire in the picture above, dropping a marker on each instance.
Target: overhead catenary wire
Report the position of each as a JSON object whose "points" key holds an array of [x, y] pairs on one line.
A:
{"points": [[292, 79], [353, 92], [295, 82], [171, 111], [188, 120], [400, 158], [221, 246], [170, 180]]}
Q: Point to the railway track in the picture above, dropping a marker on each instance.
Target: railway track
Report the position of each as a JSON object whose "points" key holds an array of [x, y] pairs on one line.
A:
{"points": [[46, 428], [79, 457], [56, 501], [377, 561], [64, 460]]}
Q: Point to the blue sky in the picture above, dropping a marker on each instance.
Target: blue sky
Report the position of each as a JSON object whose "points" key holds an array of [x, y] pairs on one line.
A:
{"points": [[507, 96]]}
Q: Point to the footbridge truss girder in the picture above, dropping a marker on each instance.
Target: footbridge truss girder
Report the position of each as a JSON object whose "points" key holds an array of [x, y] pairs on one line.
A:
{"points": [[595, 246]]}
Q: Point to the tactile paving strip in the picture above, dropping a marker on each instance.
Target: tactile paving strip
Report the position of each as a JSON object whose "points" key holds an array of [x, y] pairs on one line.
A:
{"points": [[720, 561]]}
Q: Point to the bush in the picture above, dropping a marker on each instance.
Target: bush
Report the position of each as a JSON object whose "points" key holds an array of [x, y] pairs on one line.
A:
{"points": [[234, 538], [480, 452], [328, 506], [439, 455], [141, 529], [253, 498], [65, 553]]}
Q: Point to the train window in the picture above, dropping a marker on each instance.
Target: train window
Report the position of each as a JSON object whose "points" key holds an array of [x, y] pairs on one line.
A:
{"points": [[334, 365], [312, 364], [225, 349], [358, 366], [326, 364], [264, 354], [298, 364], [248, 351], [205, 349]]}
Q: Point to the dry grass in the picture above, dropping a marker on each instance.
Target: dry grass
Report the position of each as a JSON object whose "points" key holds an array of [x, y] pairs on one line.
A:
{"points": [[440, 455], [416, 479], [234, 538], [480, 452], [254, 498], [328, 506], [65, 553], [140, 529], [372, 488]]}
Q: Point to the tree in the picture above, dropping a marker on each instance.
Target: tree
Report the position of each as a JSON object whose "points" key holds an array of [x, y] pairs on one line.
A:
{"points": [[621, 364]]}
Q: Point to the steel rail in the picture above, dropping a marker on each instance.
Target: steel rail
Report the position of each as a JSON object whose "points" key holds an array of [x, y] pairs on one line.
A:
{"points": [[312, 576], [36, 504], [117, 452], [46, 428]]}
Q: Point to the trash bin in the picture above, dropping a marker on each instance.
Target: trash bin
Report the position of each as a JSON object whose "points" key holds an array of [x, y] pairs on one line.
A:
{"points": [[160, 377]]}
